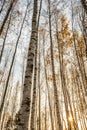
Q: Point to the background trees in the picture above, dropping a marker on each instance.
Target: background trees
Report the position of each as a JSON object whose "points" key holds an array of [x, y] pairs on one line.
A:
{"points": [[43, 75]]}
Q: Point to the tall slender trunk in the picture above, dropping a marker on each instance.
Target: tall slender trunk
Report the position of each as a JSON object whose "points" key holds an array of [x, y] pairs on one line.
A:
{"points": [[47, 86], [32, 123], [46, 114], [22, 117], [53, 74], [39, 88], [35, 79]]}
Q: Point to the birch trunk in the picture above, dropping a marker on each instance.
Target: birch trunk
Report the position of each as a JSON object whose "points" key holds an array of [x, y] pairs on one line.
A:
{"points": [[22, 118]]}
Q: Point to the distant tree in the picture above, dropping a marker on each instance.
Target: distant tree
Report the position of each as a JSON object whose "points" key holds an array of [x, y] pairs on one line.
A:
{"points": [[11, 66], [53, 71]]}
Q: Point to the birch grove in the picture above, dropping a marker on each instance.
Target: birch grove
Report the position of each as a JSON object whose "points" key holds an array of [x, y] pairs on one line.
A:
{"points": [[43, 65]]}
